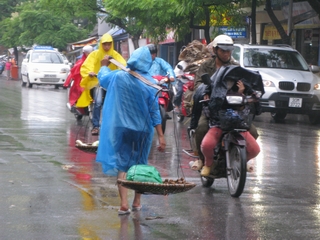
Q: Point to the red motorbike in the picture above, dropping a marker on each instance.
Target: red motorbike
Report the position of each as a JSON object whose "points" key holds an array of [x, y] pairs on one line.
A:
{"points": [[188, 86], [165, 98]]}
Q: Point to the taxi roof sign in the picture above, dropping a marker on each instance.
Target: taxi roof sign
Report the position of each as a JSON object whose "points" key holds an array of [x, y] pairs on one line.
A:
{"points": [[43, 48]]}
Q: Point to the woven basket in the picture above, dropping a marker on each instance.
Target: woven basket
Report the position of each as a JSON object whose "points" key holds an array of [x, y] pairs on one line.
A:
{"points": [[89, 148], [156, 188]]}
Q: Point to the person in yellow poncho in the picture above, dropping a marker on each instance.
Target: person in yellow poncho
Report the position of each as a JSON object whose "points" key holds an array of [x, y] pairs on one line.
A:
{"points": [[89, 70]]}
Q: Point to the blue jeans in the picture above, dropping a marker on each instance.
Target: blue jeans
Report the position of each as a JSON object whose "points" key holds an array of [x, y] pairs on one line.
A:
{"points": [[99, 94]]}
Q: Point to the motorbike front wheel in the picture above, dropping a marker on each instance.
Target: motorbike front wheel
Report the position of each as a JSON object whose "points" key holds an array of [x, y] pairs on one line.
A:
{"points": [[237, 171], [180, 117]]}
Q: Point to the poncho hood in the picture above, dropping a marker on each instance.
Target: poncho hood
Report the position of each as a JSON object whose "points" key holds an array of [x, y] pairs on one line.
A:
{"points": [[141, 60]]}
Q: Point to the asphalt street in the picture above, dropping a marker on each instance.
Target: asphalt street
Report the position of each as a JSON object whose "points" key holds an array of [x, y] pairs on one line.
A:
{"points": [[52, 190]]}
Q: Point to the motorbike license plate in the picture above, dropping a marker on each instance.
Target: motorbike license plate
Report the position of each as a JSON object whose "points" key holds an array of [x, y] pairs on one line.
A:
{"points": [[295, 102], [50, 75]]}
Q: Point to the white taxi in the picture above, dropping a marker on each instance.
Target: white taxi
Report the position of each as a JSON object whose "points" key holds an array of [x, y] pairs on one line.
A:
{"points": [[43, 65]]}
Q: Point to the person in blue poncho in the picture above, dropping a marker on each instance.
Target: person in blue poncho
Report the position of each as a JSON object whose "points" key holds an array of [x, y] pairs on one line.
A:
{"points": [[128, 120]]}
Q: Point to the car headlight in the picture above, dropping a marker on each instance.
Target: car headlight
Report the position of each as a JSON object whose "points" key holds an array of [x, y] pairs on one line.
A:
{"points": [[268, 83], [64, 70], [316, 86]]}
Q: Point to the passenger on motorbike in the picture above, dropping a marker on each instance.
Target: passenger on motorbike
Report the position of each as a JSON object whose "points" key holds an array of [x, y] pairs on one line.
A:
{"points": [[214, 133], [89, 70], [179, 71], [160, 67], [75, 89]]}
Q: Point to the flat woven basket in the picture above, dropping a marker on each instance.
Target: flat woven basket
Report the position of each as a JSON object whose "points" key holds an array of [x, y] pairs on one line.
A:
{"points": [[156, 188], [88, 148]]}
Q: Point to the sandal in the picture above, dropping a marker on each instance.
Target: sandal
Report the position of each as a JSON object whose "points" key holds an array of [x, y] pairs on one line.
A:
{"points": [[124, 212], [197, 165], [205, 171], [95, 131], [136, 208]]}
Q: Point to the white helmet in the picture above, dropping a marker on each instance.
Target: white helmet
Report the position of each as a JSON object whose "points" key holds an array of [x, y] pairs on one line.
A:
{"points": [[223, 41], [87, 49]]}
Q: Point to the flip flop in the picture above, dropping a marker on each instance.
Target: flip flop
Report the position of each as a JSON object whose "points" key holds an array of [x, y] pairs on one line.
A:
{"points": [[124, 212], [197, 165], [136, 208]]}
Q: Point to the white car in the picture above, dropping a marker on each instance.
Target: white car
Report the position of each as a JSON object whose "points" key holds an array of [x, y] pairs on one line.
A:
{"points": [[290, 85], [43, 65]]}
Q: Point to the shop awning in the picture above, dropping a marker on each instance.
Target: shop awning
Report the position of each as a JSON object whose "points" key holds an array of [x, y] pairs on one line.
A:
{"points": [[82, 43], [118, 34]]}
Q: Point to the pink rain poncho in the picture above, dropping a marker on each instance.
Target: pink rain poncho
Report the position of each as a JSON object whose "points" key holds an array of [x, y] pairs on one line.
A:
{"points": [[129, 115]]}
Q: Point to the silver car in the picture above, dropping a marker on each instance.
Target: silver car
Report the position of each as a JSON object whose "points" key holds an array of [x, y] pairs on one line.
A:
{"points": [[289, 82]]}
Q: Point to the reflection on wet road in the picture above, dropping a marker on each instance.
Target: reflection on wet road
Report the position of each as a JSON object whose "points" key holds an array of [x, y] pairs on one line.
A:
{"points": [[52, 190]]}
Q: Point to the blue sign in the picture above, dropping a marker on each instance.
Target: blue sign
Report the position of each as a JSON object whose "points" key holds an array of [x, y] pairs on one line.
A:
{"points": [[234, 32], [43, 48]]}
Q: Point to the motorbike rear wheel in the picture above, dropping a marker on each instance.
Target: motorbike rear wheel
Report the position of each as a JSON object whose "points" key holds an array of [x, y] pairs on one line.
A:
{"points": [[163, 118], [237, 171]]}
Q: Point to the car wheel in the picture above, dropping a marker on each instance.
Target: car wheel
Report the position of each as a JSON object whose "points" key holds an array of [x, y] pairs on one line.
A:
{"points": [[278, 116], [56, 86], [23, 84], [314, 118], [29, 85]]}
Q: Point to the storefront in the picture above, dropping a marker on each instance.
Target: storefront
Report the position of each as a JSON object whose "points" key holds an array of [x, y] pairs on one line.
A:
{"points": [[305, 34]]}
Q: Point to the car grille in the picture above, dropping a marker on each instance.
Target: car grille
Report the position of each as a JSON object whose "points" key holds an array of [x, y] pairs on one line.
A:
{"points": [[289, 86], [46, 80], [286, 85], [303, 87]]}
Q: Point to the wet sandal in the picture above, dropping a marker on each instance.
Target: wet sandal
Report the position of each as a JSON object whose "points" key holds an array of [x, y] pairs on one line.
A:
{"points": [[205, 171], [95, 131], [197, 165], [124, 212], [136, 208]]}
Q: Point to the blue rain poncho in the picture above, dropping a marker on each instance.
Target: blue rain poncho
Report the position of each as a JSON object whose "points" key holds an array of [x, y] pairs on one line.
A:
{"points": [[161, 67], [129, 115]]}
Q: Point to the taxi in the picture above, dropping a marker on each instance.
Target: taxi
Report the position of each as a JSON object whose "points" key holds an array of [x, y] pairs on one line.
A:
{"points": [[43, 65]]}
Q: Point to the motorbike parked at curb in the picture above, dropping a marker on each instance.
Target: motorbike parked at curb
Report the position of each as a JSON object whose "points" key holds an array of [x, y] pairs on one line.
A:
{"points": [[165, 98]]}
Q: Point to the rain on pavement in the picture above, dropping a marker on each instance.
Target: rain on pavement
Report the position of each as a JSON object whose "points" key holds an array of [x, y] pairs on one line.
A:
{"points": [[52, 190]]}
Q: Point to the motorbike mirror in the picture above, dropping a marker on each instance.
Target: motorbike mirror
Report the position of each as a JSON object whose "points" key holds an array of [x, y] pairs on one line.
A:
{"points": [[205, 78]]}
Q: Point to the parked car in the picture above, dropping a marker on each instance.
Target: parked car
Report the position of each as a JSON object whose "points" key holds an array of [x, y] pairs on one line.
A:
{"points": [[43, 65], [291, 87]]}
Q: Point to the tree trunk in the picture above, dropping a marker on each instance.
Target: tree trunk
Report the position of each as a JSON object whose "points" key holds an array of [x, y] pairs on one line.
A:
{"points": [[253, 22], [207, 26], [135, 41], [285, 38], [16, 54]]}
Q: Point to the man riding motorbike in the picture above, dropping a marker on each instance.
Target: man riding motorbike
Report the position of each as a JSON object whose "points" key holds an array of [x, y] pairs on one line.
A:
{"points": [[222, 47], [89, 70], [160, 67], [216, 92]]}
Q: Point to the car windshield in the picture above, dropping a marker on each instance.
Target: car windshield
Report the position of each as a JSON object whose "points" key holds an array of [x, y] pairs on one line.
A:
{"points": [[46, 57], [271, 58]]}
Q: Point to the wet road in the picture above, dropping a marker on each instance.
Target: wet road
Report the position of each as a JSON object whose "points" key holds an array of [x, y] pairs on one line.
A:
{"points": [[52, 190]]}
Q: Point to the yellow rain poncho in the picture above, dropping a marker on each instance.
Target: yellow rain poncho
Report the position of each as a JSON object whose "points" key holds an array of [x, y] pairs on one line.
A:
{"points": [[92, 64]]}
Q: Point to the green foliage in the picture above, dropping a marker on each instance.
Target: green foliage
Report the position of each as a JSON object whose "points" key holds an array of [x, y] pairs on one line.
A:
{"points": [[47, 22], [157, 17]]}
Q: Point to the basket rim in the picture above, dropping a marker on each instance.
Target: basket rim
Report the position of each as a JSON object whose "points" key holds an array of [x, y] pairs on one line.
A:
{"points": [[155, 184]]}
